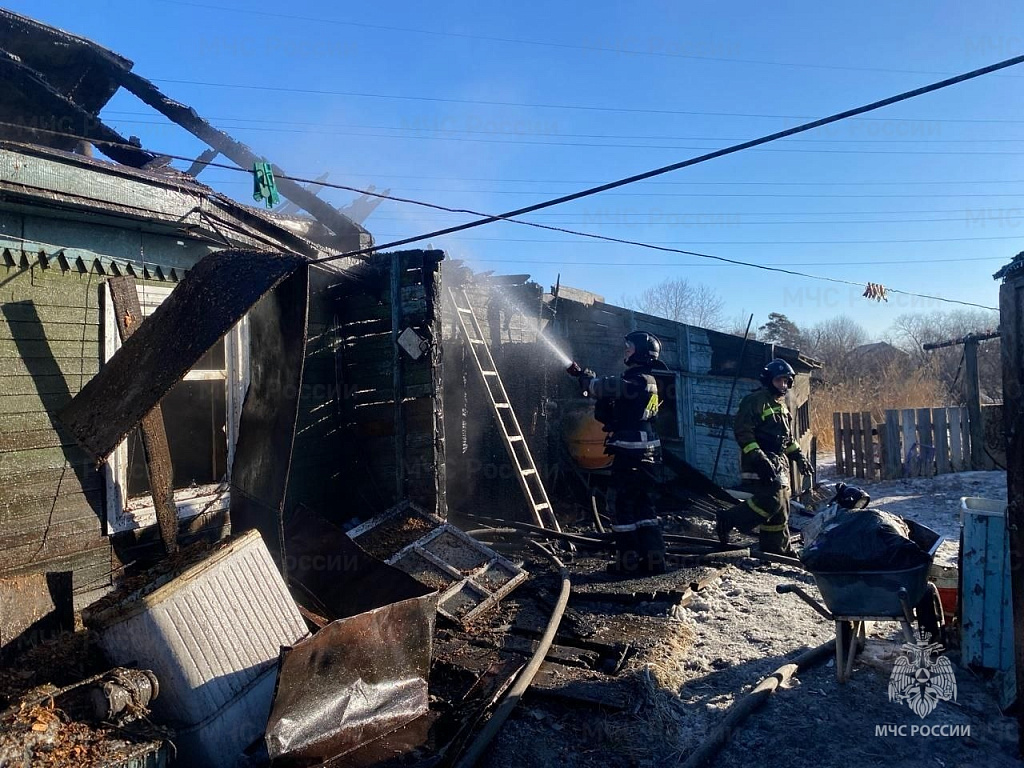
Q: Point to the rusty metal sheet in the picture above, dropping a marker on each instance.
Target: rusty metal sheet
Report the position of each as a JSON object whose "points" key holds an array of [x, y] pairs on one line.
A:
{"points": [[213, 297], [266, 430], [357, 679], [362, 676], [341, 578]]}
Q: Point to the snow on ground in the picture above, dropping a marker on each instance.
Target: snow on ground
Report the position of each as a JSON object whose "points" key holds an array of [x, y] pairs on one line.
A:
{"points": [[744, 631]]}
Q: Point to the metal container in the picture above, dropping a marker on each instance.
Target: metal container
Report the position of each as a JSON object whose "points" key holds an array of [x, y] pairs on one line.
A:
{"points": [[212, 633], [987, 610]]}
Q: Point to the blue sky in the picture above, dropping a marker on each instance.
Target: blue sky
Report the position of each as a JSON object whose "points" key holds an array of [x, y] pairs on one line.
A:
{"points": [[923, 196]]}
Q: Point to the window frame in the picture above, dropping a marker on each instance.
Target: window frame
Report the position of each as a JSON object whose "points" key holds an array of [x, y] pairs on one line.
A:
{"points": [[128, 514]]}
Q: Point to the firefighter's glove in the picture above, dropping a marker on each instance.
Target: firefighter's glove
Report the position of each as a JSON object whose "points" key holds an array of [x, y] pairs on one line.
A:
{"points": [[762, 465], [803, 465]]}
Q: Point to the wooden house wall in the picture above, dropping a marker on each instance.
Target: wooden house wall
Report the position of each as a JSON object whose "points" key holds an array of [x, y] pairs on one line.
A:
{"points": [[480, 473], [52, 499], [389, 456]]}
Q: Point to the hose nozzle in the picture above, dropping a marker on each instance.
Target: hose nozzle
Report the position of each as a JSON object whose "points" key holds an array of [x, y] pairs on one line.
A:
{"points": [[574, 369]]}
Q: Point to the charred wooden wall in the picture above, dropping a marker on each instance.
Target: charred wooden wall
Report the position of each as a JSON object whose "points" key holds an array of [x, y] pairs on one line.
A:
{"points": [[481, 477], [390, 423]]}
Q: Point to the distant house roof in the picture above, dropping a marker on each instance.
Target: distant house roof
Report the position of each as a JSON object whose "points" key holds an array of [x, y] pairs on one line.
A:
{"points": [[878, 353]]}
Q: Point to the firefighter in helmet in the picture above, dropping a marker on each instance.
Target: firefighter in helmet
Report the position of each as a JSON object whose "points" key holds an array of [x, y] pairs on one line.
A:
{"points": [[627, 406], [764, 431]]}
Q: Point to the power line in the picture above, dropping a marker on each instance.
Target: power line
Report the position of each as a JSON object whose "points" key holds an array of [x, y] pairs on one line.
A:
{"points": [[582, 107], [732, 221], [897, 262], [674, 194], [551, 44], [508, 216], [592, 145], [553, 134], [587, 236]]}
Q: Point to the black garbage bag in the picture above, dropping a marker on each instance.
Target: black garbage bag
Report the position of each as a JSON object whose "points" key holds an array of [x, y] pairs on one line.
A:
{"points": [[864, 540]]}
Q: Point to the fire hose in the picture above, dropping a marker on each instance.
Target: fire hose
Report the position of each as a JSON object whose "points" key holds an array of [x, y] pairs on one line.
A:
{"points": [[476, 749]]}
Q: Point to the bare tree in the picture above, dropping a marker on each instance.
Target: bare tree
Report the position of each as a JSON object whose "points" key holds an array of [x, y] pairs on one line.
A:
{"points": [[737, 326], [832, 341], [911, 332], [680, 300]]}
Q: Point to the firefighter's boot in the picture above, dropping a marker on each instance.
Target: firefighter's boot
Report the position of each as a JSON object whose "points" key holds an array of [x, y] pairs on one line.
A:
{"points": [[651, 546], [774, 538], [627, 559]]}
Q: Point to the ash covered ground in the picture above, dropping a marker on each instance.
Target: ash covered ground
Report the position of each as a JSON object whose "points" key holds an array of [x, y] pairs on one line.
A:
{"points": [[739, 631]]}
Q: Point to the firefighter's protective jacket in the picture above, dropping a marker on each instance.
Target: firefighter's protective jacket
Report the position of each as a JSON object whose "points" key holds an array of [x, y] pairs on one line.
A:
{"points": [[763, 421], [627, 405]]}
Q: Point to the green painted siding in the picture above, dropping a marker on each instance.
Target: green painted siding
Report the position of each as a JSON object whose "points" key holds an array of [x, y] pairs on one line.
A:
{"points": [[51, 498]]}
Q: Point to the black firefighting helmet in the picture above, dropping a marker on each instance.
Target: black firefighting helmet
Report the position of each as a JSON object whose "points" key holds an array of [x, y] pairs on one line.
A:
{"points": [[851, 497], [775, 369], [646, 345]]}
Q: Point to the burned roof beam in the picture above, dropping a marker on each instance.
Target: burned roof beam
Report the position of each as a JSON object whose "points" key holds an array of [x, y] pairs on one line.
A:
{"points": [[350, 236], [201, 162], [33, 109]]}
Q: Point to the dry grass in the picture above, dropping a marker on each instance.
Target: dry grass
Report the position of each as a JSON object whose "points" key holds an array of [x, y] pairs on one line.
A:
{"points": [[661, 719], [894, 387]]}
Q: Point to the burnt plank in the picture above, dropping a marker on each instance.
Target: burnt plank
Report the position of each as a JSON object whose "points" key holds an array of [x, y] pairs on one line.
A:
{"points": [[211, 298], [124, 298]]}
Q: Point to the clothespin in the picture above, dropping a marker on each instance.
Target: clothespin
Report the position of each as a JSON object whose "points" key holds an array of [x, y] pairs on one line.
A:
{"points": [[263, 185]]}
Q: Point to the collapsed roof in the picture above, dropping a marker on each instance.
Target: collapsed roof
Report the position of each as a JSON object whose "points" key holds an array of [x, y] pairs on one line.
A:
{"points": [[57, 83]]}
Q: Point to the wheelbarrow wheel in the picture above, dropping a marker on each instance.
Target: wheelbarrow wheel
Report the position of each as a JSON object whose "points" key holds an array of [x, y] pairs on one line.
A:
{"points": [[930, 618]]}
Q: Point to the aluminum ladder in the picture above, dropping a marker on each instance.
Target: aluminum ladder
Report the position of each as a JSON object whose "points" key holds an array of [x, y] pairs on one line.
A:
{"points": [[508, 425]]}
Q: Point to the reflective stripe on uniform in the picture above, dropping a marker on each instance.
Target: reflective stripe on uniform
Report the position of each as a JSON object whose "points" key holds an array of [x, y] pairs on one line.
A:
{"points": [[771, 410], [650, 522], [635, 444], [772, 528], [761, 512], [749, 476], [792, 447], [624, 528], [749, 447]]}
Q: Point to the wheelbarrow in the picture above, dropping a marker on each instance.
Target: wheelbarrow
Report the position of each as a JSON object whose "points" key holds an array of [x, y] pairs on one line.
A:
{"points": [[854, 597]]}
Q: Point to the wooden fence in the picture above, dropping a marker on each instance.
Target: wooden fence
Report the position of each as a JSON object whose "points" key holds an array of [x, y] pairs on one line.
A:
{"points": [[910, 443]]}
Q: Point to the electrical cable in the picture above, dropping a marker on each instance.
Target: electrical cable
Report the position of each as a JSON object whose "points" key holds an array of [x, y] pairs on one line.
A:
{"points": [[517, 132], [505, 217], [549, 44], [846, 114], [593, 145]]}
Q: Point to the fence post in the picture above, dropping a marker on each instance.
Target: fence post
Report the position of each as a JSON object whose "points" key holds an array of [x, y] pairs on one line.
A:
{"points": [[849, 462], [965, 434], [927, 441], [837, 431], [909, 436], [858, 444], [956, 441], [892, 462], [869, 445], [940, 419]]}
